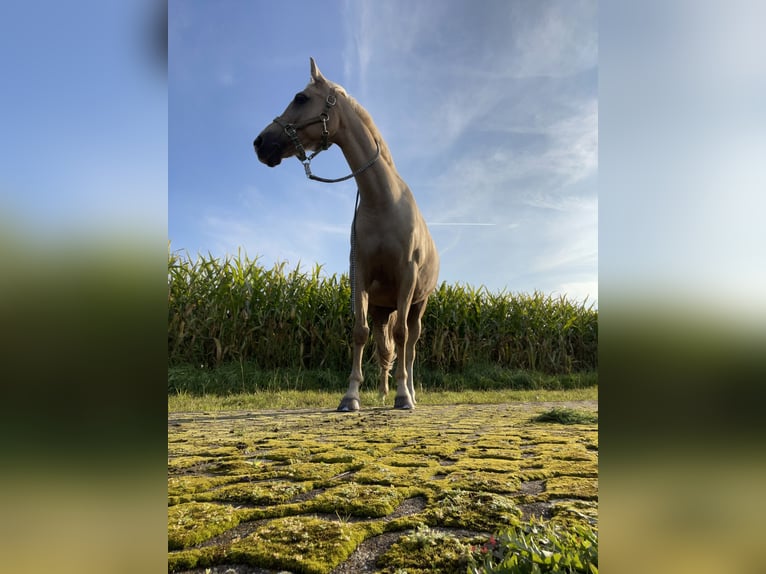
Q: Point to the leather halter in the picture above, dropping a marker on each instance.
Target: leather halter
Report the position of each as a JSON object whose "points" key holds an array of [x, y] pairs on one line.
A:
{"points": [[291, 130]]}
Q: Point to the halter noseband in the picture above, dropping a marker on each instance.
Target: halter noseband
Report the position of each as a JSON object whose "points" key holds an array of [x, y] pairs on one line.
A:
{"points": [[292, 132]]}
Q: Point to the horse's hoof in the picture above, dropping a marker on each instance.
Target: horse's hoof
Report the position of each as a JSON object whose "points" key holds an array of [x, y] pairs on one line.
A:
{"points": [[403, 403], [348, 405]]}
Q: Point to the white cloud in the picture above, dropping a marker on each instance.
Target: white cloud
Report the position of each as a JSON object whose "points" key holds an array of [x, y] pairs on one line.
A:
{"points": [[581, 291]]}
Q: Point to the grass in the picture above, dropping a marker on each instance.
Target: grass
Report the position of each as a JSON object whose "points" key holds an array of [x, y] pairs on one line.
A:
{"points": [[245, 377], [292, 399]]}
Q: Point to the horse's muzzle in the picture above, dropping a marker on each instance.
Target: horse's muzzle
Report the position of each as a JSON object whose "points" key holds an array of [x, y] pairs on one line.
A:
{"points": [[269, 153]]}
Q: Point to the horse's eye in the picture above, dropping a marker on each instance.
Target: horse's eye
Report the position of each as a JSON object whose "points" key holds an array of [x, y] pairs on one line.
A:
{"points": [[300, 98]]}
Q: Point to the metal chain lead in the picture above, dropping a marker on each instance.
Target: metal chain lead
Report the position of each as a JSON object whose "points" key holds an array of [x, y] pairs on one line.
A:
{"points": [[352, 257], [307, 167]]}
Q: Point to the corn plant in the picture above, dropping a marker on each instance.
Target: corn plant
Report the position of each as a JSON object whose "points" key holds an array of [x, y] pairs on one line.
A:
{"points": [[236, 310]]}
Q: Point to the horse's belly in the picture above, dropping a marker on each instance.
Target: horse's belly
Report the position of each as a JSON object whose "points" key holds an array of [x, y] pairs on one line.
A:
{"points": [[381, 295]]}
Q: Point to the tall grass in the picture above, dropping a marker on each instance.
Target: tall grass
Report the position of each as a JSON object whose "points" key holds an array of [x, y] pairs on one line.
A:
{"points": [[235, 310]]}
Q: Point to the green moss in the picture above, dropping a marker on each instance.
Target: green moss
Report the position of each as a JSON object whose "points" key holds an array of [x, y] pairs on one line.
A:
{"points": [[219, 452], [300, 544], [488, 465], [336, 457], [575, 510], [572, 487], [239, 467], [481, 511], [193, 522], [406, 461], [358, 500], [534, 474], [503, 483], [184, 560], [315, 470], [286, 453], [426, 550], [444, 447], [272, 492], [183, 463], [403, 524], [388, 475], [196, 558], [187, 488], [584, 468], [502, 444]]}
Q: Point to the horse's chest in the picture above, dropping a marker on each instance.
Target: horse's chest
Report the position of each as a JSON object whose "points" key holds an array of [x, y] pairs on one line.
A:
{"points": [[384, 250], [381, 248], [381, 263]]}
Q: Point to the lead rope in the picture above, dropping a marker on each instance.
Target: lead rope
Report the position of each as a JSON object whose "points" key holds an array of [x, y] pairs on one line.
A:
{"points": [[307, 166], [352, 257]]}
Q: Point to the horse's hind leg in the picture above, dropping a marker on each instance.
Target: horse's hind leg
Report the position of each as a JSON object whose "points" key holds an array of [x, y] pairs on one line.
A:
{"points": [[383, 320], [351, 400]]}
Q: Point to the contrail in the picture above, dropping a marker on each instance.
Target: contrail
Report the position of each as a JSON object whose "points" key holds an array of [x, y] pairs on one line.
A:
{"points": [[461, 223]]}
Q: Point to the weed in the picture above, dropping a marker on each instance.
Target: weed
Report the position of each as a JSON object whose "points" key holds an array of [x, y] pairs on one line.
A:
{"points": [[538, 548]]}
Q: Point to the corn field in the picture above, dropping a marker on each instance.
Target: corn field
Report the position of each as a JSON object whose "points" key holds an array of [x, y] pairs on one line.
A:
{"points": [[235, 310]]}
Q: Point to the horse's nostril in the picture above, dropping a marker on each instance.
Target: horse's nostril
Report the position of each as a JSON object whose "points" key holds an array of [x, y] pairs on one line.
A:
{"points": [[258, 141]]}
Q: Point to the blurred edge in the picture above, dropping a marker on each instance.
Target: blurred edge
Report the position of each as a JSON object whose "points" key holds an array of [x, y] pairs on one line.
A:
{"points": [[682, 277], [83, 301]]}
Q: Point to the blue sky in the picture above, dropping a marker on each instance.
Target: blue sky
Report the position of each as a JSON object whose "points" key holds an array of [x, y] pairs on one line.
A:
{"points": [[83, 116], [489, 108]]}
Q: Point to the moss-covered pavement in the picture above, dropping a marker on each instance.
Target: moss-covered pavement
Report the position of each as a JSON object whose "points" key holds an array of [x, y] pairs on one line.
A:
{"points": [[375, 491]]}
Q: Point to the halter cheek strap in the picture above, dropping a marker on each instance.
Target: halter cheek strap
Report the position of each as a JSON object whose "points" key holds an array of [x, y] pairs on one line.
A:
{"points": [[291, 130]]}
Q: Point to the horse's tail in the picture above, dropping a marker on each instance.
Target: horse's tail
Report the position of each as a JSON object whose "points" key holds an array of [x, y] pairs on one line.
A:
{"points": [[386, 347]]}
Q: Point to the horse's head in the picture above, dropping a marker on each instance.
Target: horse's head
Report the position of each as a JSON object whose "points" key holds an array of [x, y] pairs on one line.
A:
{"points": [[307, 124]]}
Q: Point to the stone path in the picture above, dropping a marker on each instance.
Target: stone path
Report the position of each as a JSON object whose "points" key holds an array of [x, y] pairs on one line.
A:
{"points": [[374, 491]]}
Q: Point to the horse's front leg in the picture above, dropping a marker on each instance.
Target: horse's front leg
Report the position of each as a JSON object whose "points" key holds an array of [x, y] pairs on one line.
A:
{"points": [[404, 400], [351, 400], [413, 334]]}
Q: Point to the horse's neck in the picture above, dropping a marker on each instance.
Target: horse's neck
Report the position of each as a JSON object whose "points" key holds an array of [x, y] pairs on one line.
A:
{"points": [[377, 183]]}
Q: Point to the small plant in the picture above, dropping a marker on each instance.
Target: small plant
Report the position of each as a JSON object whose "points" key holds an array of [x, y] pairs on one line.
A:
{"points": [[425, 550], [423, 537], [566, 416], [538, 548]]}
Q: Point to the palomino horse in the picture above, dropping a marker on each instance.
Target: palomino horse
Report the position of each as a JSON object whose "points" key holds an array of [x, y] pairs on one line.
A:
{"points": [[394, 263]]}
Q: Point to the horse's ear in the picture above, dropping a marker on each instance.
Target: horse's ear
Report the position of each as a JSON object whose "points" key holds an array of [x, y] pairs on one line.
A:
{"points": [[316, 75]]}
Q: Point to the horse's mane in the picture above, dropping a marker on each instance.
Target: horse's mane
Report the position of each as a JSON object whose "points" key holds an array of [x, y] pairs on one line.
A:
{"points": [[366, 118]]}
